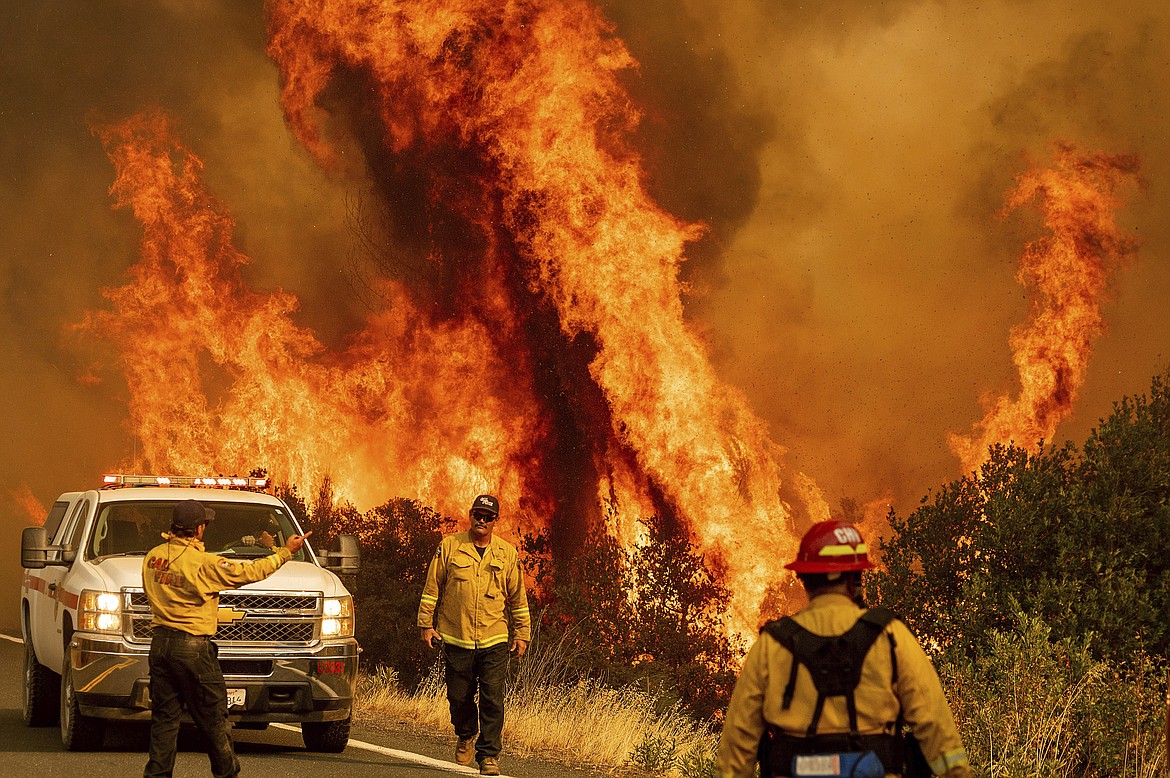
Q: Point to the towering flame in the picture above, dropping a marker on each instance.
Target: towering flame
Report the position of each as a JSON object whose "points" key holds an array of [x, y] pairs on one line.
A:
{"points": [[222, 380], [515, 112], [536, 346], [1067, 273]]}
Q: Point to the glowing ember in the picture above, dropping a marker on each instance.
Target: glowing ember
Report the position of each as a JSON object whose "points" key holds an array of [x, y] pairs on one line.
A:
{"points": [[1067, 272]]}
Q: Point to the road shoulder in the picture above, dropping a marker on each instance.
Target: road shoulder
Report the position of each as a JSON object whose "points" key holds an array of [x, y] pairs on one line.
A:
{"points": [[408, 736]]}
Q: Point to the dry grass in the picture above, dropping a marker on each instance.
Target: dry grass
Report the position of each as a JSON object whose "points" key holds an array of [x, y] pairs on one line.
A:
{"points": [[382, 693], [609, 727], [565, 719]]}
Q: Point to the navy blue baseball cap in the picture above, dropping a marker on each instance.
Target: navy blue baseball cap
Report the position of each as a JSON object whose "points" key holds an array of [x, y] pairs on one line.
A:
{"points": [[189, 514], [486, 502]]}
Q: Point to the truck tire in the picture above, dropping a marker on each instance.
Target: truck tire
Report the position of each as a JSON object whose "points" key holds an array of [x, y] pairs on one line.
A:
{"points": [[42, 688], [78, 731], [330, 737]]}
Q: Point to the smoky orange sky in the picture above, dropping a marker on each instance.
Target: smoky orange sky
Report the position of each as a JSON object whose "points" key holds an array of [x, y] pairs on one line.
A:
{"points": [[856, 280]]}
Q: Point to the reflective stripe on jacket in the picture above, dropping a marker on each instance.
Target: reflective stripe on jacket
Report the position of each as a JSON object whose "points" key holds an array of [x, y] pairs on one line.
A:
{"points": [[183, 582], [465, 597], [759, 692]]}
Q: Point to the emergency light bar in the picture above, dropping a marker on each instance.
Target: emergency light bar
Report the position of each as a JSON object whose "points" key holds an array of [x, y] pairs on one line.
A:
{"points": [[183, 480]]}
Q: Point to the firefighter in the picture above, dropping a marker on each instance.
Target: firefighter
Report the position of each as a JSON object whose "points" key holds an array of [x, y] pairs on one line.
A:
{"points": [[830, 687], [472, 579], [182, 583]]}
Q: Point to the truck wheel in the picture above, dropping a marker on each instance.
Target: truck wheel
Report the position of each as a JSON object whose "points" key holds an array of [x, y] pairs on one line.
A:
{"points": [[329, 737], [78, 732], [41, 689]]}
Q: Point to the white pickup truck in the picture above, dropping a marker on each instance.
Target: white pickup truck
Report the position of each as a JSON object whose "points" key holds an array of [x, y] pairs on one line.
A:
{"points": [[286, 644]]}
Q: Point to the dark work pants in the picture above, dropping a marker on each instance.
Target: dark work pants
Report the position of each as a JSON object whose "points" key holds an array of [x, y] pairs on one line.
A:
{"points": [[184, 670], [477, 669]]}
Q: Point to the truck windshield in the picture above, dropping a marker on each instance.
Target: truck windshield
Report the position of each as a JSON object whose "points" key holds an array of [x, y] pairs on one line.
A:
{"points": [[239, 529]]}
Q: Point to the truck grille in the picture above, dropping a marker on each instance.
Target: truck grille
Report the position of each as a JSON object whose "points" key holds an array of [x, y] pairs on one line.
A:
{"points": [[256, 617]]}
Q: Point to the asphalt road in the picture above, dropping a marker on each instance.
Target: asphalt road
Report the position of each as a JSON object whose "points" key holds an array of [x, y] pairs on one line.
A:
{"points": [[276, 751]]}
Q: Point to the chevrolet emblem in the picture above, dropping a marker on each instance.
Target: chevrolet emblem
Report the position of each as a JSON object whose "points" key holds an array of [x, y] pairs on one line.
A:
{"points": [[229, 616]]}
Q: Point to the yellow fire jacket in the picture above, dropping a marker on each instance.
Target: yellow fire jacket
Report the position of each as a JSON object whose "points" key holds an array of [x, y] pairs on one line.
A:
{"points": [[759, 692], [465, 597], [183, 582]]}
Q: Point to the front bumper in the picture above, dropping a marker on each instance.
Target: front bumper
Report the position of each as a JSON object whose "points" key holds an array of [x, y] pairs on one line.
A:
{"points": [[111, 680]]}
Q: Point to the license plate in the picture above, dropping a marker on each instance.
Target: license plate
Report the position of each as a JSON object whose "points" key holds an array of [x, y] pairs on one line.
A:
{"points": [[237, 697]]}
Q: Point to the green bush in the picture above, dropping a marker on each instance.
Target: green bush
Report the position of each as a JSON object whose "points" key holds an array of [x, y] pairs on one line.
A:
{"points": [[1037, 706], [1042, 585], [655, 754], [1076, 538]]}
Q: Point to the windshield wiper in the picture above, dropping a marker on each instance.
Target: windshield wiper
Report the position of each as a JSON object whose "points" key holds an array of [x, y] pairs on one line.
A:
{"points": [[247, 553], [120, 553]]}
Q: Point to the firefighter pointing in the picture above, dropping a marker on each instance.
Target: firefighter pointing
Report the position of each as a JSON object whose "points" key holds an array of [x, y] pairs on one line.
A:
{"points": [[826, 691], [183, 583]]}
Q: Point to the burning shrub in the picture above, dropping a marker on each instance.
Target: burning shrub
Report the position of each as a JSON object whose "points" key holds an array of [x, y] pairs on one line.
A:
{"points": [[652, 616]]}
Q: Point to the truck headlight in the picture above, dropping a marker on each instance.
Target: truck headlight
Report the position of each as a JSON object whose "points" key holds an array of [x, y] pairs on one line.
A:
{"points": [[99, 611], [337, 617]]}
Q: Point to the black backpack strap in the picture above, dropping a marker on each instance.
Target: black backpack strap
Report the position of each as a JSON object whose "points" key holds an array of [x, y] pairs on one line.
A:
{"points": [[834, 662], [893, 658], [903, 749], [879, 617], [785, 631]]}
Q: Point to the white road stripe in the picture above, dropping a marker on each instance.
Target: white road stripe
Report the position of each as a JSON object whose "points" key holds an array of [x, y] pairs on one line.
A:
{"points": [[14, 640], [407, 755]]}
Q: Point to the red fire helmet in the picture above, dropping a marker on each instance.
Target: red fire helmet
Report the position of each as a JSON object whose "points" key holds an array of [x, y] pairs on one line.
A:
{"points": [[831, 547]]}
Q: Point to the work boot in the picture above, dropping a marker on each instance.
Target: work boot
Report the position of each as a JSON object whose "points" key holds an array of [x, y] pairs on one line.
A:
{"points": [[489, 766], [465, 750]]}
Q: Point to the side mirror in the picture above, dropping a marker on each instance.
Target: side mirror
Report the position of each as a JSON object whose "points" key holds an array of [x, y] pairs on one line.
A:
{"points": [[36, 553], [34, 549], [346, 559]]}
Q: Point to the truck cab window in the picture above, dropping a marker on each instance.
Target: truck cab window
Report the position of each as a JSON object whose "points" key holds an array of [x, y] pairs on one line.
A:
{"points": [[53, 520], [72, 530]]}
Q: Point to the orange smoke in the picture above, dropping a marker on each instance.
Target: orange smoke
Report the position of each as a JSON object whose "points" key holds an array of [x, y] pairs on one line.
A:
{"points": [[541, 351], [27, 503], [1067, 273]]}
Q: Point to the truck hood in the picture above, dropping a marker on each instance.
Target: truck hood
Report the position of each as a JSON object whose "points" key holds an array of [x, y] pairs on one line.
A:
{"points": [[126, 571]]}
